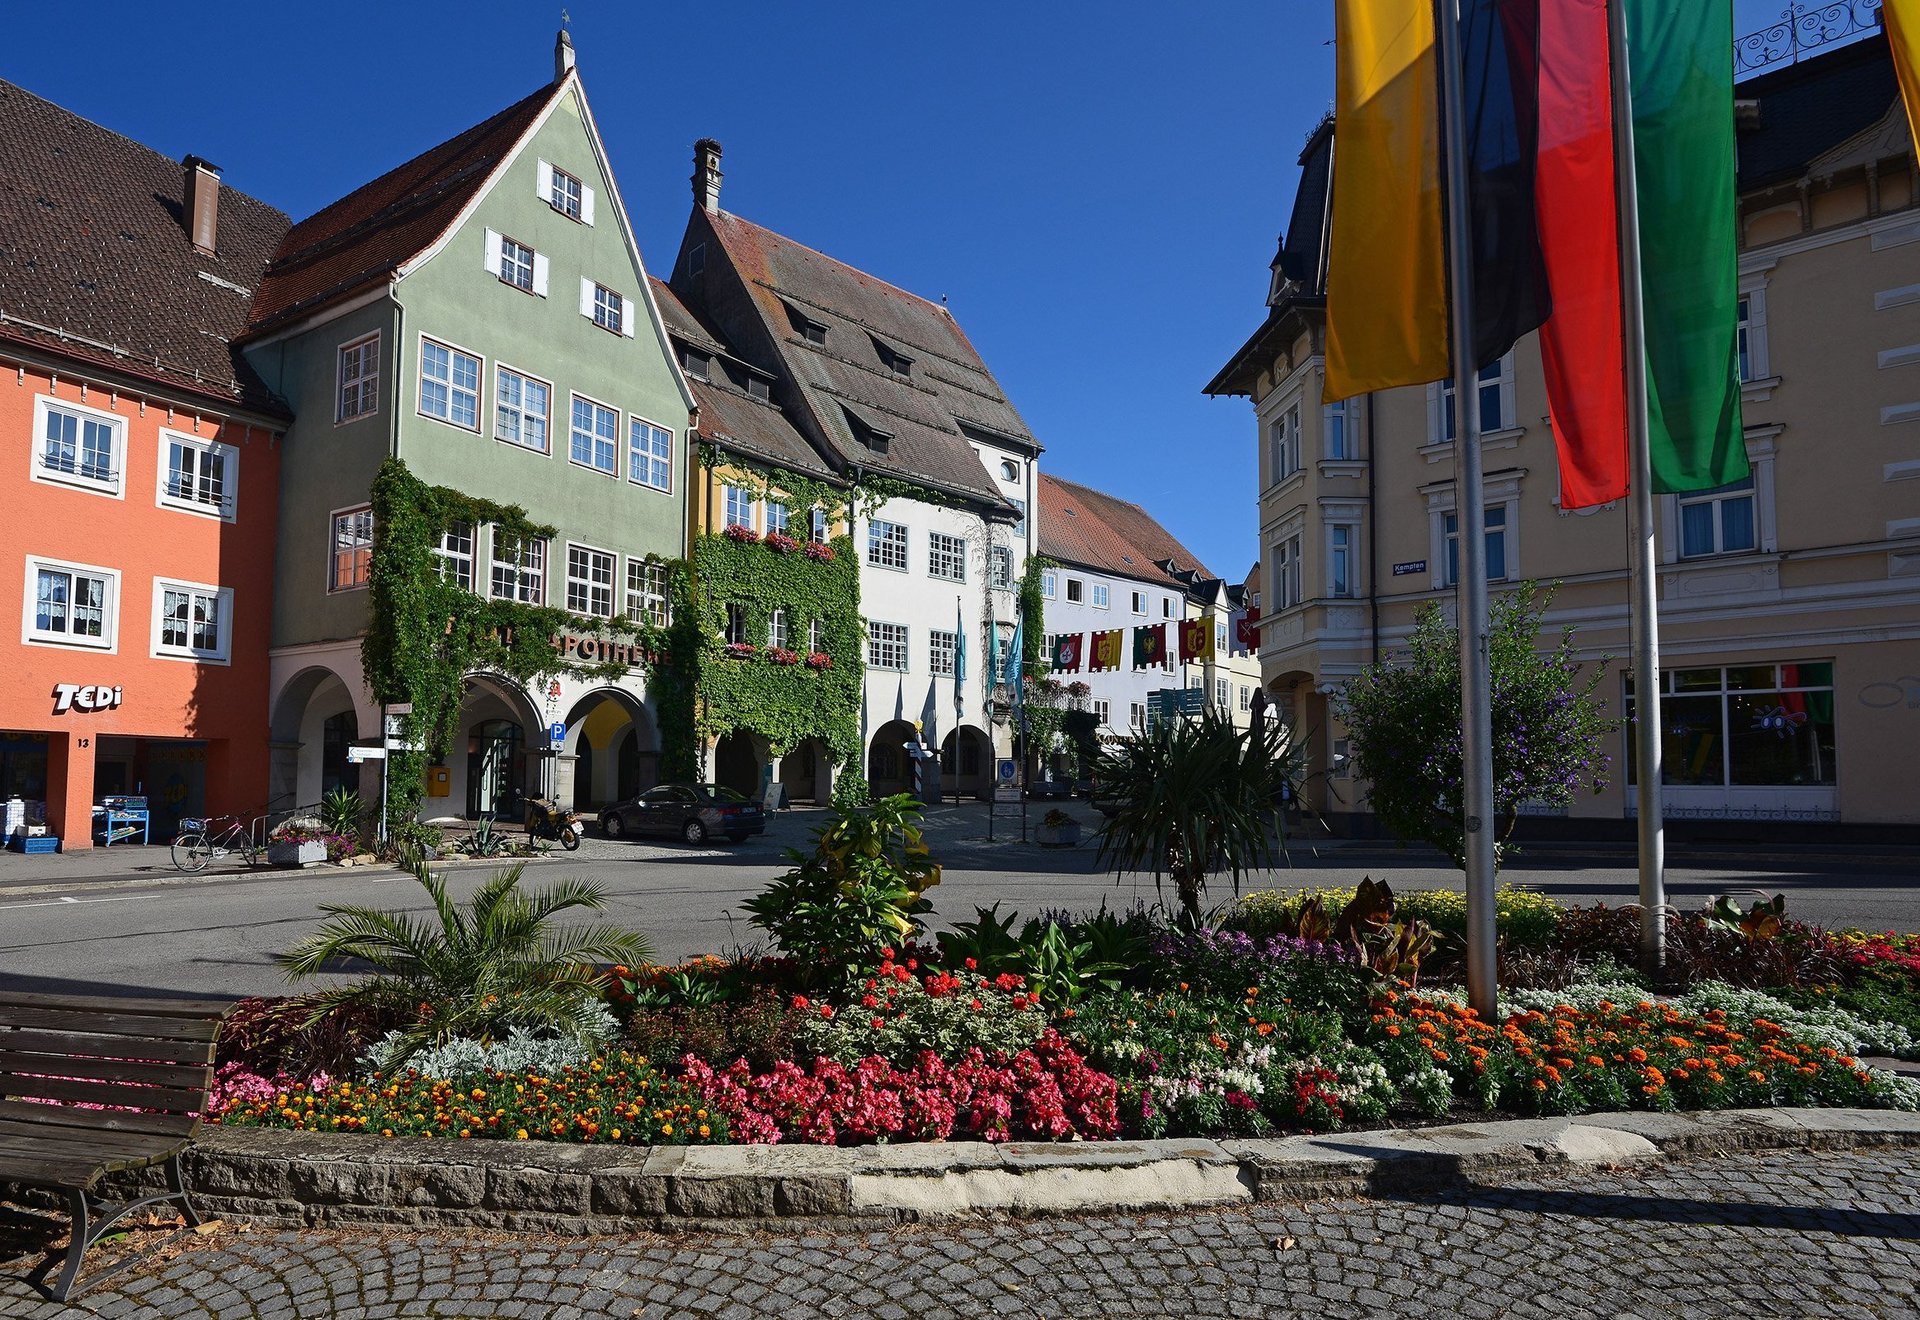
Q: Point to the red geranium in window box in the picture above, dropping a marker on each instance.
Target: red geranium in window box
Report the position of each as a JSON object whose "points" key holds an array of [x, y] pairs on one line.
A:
{"points": [[780, 655], [781, 543], [742, 650], [820, 550], [735, 532], [819, 660]]}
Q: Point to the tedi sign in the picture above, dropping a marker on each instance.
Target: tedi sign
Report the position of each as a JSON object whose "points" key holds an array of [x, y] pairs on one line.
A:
{"points": [[75, 696]]}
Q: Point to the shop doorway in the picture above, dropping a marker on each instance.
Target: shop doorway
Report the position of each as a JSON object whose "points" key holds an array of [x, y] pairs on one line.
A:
{"points": [[494, 752]]}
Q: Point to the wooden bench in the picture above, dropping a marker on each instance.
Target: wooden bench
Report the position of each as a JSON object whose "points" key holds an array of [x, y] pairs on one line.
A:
{"points": [[147, 1062]]}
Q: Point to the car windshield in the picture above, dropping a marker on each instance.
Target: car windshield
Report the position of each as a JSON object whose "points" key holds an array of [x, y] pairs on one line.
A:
{"points": [[721, 793]]}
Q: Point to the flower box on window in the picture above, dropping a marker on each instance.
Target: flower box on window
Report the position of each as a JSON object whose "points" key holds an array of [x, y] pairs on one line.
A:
{"points": [[819, 660], [744, 535], [780, 543], [780, 655], [741, 650], [820, 550]]}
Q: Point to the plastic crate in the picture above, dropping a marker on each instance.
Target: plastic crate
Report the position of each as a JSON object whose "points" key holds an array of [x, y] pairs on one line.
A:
{"points": [[34, 843]]}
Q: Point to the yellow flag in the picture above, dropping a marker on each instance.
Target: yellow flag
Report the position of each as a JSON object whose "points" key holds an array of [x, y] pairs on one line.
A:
{"points": [[1386, 274], [1106, 649], [1902, 18]]}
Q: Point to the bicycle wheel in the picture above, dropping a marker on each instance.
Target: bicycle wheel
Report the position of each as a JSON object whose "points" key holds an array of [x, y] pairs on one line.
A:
{"points": [[192, 852]]}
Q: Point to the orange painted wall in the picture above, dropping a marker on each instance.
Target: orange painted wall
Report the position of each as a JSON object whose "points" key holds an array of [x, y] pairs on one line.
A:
{"points": [[162, 697]]}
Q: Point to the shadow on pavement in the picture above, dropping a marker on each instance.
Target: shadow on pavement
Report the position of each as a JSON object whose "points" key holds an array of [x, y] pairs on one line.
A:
{"points": [[1584, 1205]]}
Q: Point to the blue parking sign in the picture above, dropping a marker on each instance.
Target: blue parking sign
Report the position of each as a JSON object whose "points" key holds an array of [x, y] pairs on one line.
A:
{"points": [[558, 733]]}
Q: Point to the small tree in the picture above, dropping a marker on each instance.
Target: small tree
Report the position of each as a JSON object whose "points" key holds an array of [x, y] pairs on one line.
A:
{"points": [[1193, 798], [1548, 728]]}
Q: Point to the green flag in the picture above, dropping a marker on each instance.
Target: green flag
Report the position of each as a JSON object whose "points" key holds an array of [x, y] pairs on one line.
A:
{"points": [[1681, 58]]}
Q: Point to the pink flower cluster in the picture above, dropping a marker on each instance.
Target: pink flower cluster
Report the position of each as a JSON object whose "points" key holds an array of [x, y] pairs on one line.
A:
{"points": [[780, 655], [741, 650], [819, 660], [821, 551], [781, 544], [735, 532], [235, 1085], [1045, 1093]]}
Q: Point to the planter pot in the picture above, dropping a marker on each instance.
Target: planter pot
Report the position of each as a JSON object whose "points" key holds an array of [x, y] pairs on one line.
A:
{"points": [[308, 852], [1058, 836]]}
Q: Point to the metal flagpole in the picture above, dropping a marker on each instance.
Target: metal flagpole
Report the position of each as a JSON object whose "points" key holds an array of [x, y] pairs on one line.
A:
{"points": [[1645, 614], [1476, 702]]}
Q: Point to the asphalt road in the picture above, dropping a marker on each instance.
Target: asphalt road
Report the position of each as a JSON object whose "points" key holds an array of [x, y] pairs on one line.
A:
{"points": [[97, 925]]}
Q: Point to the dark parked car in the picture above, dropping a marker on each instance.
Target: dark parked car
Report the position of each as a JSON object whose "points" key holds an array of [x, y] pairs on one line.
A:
{"points": [[1050, 788], [691, 812]]}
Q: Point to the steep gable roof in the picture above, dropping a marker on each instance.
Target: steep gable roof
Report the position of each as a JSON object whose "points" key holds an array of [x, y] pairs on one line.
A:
{"points": [[731, 418], [1083, 526], [378, 227], [847, 385], [95, 262], [1807, 108]]}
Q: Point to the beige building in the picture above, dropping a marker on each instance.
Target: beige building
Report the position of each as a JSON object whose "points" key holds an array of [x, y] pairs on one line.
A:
{"points": [[1789, 605]]}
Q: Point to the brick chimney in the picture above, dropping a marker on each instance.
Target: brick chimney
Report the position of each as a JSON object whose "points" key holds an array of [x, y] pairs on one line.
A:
{"points": [[201, 203], [562, 55], [706, 174]]}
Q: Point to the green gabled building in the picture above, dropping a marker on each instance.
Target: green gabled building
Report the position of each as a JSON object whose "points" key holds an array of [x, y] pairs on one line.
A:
{"points": [[481, 314]]}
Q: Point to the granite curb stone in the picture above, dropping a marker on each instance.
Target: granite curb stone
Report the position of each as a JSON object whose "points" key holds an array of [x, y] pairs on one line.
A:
{"points": [[309, 1179]]}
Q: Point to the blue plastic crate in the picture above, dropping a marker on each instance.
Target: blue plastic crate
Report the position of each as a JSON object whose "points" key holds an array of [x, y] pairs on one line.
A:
{"points": [[35, 843]]}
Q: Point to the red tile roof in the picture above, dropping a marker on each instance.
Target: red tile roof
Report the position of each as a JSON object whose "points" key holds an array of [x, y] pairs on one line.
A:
{"points": [[373, 230], [1083, 526], [95, 263]]}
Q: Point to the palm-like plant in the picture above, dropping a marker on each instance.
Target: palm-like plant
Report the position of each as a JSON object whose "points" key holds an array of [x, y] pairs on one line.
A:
{"points": [[1192, 798], [476, 971]]}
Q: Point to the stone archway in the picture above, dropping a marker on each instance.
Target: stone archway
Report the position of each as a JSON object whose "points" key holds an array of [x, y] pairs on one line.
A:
{"points": [[807, 772], [315, 717], [495, 758], [889, 767], [611, 752], [966, 763], [738, 761]]}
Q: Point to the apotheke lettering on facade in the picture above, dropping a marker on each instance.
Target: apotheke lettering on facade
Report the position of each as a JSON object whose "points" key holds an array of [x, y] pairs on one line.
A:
{"points": [[76, 696], [599, 650]]}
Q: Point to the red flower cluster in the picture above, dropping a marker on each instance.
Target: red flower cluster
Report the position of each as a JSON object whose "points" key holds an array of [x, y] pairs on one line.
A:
{"points": [[819, 660], [741, 650], [781, 544], [1878, 953], [1046, 1093], [780, 655], [735, 532], [821, 551]]}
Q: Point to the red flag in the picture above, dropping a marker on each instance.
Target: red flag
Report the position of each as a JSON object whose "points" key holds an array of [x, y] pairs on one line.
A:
{"points": [[1582, 344]]}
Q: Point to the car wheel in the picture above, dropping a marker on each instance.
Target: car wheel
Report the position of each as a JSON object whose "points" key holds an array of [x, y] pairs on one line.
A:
{"points": [[694, 831], [611, 826]]}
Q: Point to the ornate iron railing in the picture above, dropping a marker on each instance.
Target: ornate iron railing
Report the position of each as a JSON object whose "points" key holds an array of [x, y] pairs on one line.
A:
{"points": [[1802, 30]]}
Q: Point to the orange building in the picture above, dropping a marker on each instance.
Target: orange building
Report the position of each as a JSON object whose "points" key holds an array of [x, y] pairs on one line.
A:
{"points": [[139, 475]]}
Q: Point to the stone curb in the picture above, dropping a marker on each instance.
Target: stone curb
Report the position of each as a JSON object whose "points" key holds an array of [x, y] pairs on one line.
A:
{"points": [[302, 1178]]}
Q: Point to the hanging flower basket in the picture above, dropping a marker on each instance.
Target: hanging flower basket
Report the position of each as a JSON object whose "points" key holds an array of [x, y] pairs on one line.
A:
{"points": [[819, 660], [780, 655], [821, 551], [735, 532], [781, 544]]}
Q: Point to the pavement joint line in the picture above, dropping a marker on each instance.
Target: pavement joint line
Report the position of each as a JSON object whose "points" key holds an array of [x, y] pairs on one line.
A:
{"points": [[306, 1179]]}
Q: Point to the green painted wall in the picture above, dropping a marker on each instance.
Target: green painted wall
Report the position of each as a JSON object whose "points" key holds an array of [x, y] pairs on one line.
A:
{"points": [[455, 299]]}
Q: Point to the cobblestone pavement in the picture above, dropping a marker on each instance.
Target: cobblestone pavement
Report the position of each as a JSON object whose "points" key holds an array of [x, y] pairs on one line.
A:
{"points": [[1782, 1234]]}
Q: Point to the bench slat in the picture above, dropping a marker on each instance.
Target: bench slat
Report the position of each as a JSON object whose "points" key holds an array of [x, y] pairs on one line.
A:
{"points": [[79, 1044], [49, 1171], [33, 1140], [138, 1026], [100, 1120], [164, 1099], [188, 1075], [138, 1007]]}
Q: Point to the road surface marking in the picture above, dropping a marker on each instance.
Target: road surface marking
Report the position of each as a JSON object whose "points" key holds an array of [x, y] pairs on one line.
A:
{"points": [[52, 902]]}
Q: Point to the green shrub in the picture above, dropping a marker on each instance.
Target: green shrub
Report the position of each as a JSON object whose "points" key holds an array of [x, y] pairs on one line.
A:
{"points": [[1524, 917]]}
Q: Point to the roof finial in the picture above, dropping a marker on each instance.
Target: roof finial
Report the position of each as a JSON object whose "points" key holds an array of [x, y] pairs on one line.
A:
{"points": [[563, 49]]}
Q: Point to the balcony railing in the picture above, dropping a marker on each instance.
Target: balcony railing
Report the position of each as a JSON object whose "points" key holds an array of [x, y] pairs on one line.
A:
{"points": [[1803, 30]]}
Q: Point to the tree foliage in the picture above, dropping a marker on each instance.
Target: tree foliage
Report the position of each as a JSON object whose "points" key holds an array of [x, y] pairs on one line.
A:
{"points": [[1548, 727], [1193, 798]]}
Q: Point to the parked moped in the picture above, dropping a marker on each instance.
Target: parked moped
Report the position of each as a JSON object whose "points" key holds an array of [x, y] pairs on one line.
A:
{"points": [[547, 821]]}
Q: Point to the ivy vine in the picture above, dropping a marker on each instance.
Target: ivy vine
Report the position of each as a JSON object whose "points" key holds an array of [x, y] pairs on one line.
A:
{"points": [[426, 634]]}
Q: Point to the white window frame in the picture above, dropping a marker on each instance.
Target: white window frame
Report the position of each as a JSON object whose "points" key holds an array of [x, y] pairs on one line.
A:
{"points": [[334, 586], [478, 391], [1288, 588], [641, 466], [1101, 597], [37, 469], [1500, 490], [1223, 694], [737, 506], [1746, 489], [816, 636], [1049, 584], [366, 349], [1140, 603], [1342, 540], [775, 517], [1000, 567], [1759, 374], [228, 507], [1076, 591], [1761, 452], [885, 547], [946, 556], [819, 528], [1103, 711], [593, 435], [647, 592], [593, 558], [1334, 419], [1439, 405], [779, 633], [942, 648], [546, 188], [221, 653], [520, 410], [109, 638], [1137, 711], [1502, 528], [893, 645], [523, 573], [600, 303], [450, 560]]}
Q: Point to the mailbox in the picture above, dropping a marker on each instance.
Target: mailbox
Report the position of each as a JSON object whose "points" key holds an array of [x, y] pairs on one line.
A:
{"points": [[439, 781]]}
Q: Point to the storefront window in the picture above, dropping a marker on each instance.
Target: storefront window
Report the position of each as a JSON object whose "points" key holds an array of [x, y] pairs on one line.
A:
{"points": [[1748, 725]]}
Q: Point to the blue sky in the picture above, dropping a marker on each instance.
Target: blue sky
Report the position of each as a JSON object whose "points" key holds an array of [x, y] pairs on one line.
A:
{"points": [[1095, 188]]}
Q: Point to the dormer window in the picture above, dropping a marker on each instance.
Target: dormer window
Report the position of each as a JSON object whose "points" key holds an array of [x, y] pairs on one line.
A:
{"points": [[893, 360], [814, 332], [869, 435], [758, 388], [698, 364]]}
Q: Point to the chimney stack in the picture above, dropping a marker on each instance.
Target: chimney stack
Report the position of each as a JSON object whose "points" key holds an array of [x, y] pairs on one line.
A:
{"points": [[706, 174], [201, 203], [562, 55]]}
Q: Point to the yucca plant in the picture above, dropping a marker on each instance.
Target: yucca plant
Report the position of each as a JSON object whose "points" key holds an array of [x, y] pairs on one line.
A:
{"points": [[477, 970], [1194, 798]]}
